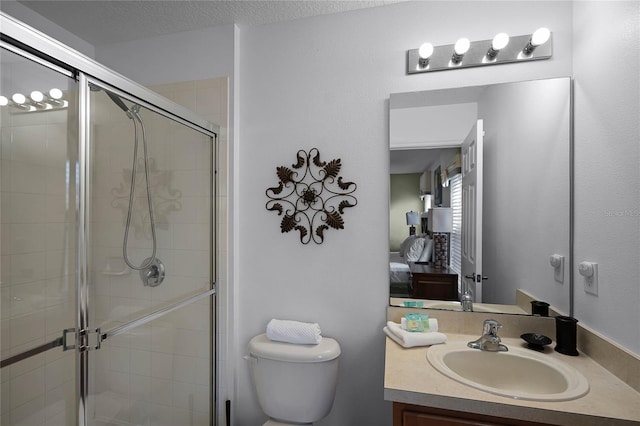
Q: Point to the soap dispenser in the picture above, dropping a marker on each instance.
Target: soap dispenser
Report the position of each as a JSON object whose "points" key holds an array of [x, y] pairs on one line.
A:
{"points": [[566, 333]]}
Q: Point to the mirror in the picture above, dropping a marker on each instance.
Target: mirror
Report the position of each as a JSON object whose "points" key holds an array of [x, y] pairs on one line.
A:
{"points": [[526, 195]]}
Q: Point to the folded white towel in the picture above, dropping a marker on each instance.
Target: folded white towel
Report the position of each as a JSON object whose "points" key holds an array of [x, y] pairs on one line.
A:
{"points": [[409, 339], [433, 324], [288, 331]]}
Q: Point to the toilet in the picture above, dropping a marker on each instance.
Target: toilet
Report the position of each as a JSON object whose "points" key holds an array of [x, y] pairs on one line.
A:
{"points": [[295, 384]]}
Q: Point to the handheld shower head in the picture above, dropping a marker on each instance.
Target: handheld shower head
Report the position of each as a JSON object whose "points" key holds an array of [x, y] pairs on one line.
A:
{"points": [[116, 99]]}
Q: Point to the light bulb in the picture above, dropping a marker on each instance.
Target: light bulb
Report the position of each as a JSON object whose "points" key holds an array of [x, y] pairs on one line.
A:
{"points": [[500, 41], [4, 101], [36, 96], [425, 51], [459, 49], [462, 46], [540, 36], [18, 98], [55, 93]]}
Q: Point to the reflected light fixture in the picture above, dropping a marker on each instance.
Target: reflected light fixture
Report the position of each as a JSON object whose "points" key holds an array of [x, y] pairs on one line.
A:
{"points": [[55, 96], [36, 96], [459, 49], [18, 100], [37, 101], [502, 49]]}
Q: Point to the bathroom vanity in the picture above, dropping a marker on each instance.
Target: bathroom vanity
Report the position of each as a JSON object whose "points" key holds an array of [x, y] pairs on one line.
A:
{"points": [[423, 395]]}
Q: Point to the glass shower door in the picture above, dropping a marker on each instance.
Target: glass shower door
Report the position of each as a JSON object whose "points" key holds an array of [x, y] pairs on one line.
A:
{"points": [[108, 245], [38, 119], [151, 265]]}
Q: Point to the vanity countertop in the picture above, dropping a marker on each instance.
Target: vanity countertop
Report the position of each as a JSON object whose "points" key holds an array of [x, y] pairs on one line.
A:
{"points": [[410, 379]]}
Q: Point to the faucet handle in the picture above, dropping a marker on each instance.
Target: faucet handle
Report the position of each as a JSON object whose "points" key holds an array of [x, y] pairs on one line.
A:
{"points": [[491, 327]]}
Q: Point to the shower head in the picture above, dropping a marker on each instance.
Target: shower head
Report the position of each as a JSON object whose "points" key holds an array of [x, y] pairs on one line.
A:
{"points": [[116, 99]]}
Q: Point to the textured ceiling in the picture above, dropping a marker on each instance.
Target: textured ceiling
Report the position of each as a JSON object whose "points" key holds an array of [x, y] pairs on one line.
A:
{"points": [[102, 22]]}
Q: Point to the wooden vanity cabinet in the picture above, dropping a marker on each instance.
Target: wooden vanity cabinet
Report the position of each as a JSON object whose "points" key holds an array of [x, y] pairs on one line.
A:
{"points": [[417, 415]]}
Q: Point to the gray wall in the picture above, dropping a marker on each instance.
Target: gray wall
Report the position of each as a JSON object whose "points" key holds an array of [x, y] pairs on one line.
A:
{"points": [[324, 82], [607, 171]]}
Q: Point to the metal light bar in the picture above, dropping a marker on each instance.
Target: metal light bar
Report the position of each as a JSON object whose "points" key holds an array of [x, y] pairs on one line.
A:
{"points": [[477, 55]]}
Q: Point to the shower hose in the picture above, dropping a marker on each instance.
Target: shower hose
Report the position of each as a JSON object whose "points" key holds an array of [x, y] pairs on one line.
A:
{"points": [[133, 114]]}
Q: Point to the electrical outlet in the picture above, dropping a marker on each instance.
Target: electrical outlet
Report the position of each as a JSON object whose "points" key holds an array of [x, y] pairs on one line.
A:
{"points": [[557, 262], [589, 270]]}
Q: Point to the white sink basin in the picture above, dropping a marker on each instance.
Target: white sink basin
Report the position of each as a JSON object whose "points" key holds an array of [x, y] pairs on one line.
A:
{"points": [[519, 373]]}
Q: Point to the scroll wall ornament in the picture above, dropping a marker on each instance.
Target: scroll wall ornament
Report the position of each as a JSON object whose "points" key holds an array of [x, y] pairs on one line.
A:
{"points": [[312, 197]]}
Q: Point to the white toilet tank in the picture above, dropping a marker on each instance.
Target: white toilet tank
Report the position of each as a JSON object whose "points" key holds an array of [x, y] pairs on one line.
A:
{"points": [[294, 383]]}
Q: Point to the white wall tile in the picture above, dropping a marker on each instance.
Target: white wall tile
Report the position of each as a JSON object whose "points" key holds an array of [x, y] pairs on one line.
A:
{"points": [[27, 328], [27, 387], [141, 362], [28, 267], [59, 372], [28, 178], [29, 414], [27, 298], [161, 365], [27, 208], [162, 391]]}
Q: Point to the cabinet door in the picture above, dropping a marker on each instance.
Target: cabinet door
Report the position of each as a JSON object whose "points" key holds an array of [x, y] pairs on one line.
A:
{"points": [[411, 418], [417, 415], [434, 287]]}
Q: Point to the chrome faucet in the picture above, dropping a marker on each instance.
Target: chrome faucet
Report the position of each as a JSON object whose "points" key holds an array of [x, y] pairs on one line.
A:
{"points": [[489, 341]]}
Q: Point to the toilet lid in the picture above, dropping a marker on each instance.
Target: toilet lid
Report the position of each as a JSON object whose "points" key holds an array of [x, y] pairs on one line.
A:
{"points": [[261, 347]]}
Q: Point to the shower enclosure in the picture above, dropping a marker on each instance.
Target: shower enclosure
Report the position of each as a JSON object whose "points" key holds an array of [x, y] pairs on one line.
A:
{"points": [[107, 207]]}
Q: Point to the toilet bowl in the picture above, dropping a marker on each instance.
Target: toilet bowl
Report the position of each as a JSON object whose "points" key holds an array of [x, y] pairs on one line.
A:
{"points": [[295, 384]]}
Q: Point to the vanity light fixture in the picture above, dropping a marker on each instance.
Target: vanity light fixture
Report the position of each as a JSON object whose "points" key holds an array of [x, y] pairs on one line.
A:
{"points": [[502, 49]]}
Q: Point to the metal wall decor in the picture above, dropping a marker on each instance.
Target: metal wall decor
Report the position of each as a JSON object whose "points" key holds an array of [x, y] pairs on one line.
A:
{"points": [[312, 196]]}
